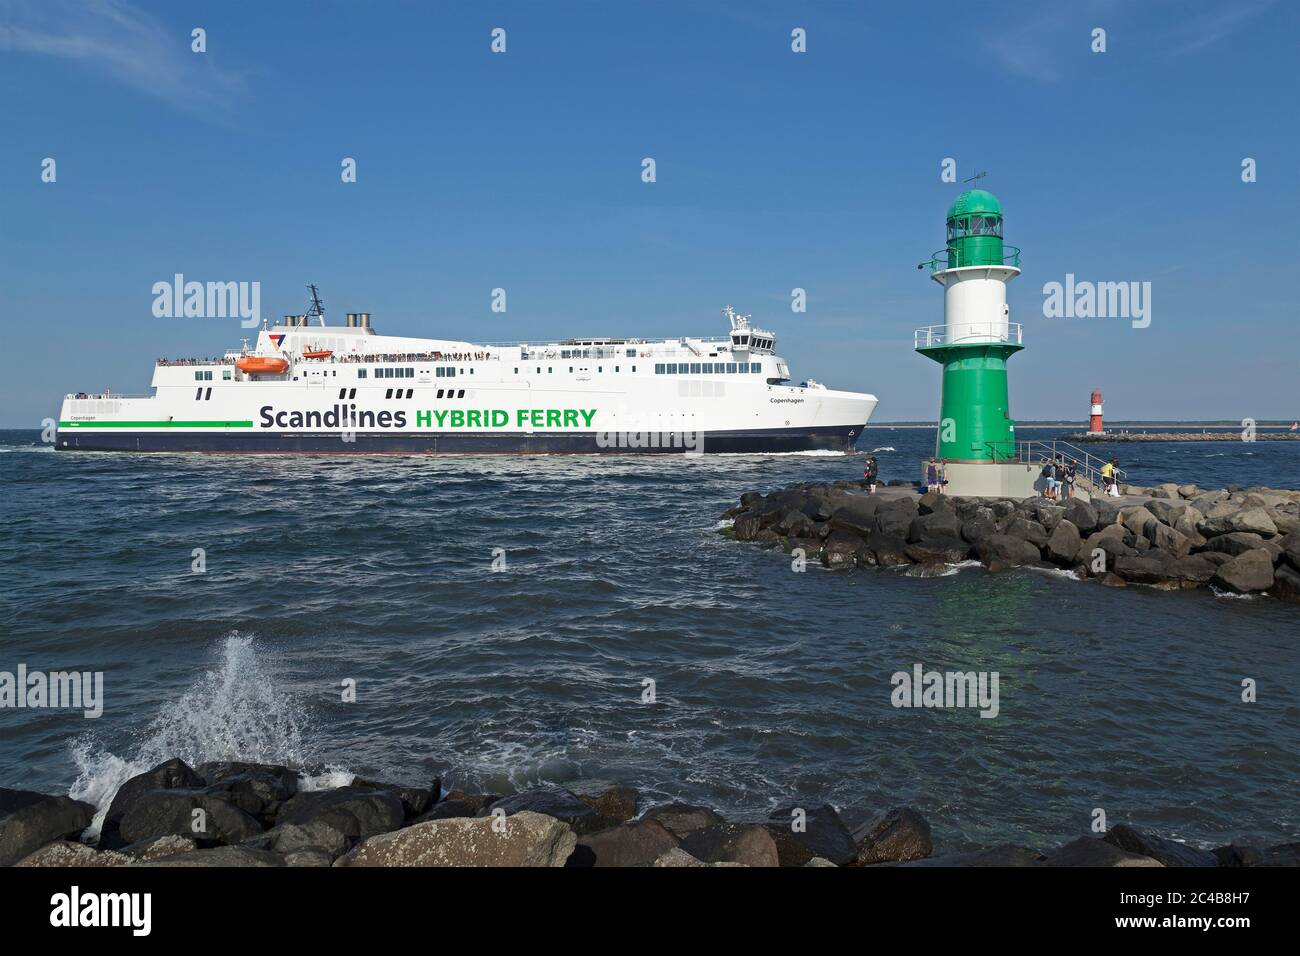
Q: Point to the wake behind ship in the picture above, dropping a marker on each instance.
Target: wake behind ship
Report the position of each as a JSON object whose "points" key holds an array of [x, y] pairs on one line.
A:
{"points": [[311, 388]]}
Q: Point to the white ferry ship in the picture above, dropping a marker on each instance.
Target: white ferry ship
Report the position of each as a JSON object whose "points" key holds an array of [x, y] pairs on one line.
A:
{"points": [[312, 388]]}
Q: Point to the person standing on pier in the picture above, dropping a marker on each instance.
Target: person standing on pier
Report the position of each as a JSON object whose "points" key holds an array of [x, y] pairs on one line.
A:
{"points": [[870, 473], [932, 475], [1070, 476]]}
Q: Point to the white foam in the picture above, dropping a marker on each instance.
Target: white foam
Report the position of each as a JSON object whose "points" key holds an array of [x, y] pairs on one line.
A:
{"points": [[237, 710], [884, 448]]}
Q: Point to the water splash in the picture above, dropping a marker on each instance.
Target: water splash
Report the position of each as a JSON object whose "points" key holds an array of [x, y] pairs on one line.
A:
{"points": [[237, 710]]}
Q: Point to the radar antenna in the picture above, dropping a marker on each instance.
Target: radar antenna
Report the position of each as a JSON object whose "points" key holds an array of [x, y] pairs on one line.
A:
{"points": [[975, 179]]}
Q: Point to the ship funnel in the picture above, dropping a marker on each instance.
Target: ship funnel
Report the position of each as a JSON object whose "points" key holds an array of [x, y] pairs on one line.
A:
{"points": [[363, 319], [352, 320]]}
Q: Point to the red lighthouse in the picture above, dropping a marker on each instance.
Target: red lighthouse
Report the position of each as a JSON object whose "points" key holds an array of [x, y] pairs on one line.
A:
{"points": [[1094, 422]]}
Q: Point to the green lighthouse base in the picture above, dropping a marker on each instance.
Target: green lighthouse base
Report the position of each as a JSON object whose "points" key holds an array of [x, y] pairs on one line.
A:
{"points": [[975, 425]]}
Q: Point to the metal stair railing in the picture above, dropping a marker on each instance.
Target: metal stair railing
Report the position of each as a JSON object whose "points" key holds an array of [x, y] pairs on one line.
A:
{"points": [[1087, 466]]}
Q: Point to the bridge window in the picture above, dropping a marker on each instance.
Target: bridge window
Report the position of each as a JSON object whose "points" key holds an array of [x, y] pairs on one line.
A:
{"points": [[659, 368]]}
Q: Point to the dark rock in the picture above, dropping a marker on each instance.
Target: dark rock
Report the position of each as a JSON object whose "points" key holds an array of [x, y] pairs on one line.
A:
{"points": [[823, 835], [1251, 571], [888, 550], [319, 834], [1167, 512], [1145, 569], [934, 503], [979, 526], [857, 515], [1004, 854], [1081, 514], [617, 803], [1166, 852], [1167, 539], [158, 847], [1112, 580], [172, 812], [1027, 530], [638, 843], [1090, 851], [938, 551], [840, 549], [240, 856], [795, 524], [1286, 584], [174, 774], [1284, 854], [451, 808], [355, 812], [746, 526], [29, 820], [682, 819], [553, 802], [257, 789], [1233, 544], [1002, 551], [1063, 543], [1193, 569], [747, 843], [894, 522], [896, 836], [1233, 855], [415, 800], [939, 524]]}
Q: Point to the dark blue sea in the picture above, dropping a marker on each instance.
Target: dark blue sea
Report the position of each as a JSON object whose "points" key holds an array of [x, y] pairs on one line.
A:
{"points": [[769, 685]]}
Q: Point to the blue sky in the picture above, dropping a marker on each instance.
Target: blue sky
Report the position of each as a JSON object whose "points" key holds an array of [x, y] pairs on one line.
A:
{"points": [[775, 170]]}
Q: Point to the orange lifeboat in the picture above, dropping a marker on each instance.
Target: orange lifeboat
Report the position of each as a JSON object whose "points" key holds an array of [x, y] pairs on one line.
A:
{"points": [[258, 365], [318, 353]]}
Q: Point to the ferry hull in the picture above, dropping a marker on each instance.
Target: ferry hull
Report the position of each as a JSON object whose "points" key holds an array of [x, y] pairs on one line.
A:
{"points": [[749, 441]]}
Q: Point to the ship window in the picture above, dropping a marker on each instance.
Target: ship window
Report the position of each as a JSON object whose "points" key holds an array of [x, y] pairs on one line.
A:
{"points": [[352, 393], [388, 393], [695, 368], [634, 368], [461, 393], [550, 370], [659, 368], [570, 369], [672, 368], [756, 368], [565, 353], [440, 393], [198, 393], [451, 373], [343, 393], [198, 376], [615, 368], [208, 396], [731, 368], [225, 376], [361, 373], [600, 368]]}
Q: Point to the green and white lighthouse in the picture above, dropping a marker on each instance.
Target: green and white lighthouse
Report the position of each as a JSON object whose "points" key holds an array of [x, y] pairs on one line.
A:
{"points": [[977, 337]]}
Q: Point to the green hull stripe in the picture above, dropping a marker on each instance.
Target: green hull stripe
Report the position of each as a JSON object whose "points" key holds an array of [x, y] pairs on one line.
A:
{"points": [[245, 424]]}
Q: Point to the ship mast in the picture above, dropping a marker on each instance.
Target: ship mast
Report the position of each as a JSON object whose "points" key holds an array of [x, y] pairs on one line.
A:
{"points": [[317, 307]]}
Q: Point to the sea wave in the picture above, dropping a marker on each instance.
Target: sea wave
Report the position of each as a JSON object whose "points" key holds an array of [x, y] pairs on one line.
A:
{"points": [[237, 710]]}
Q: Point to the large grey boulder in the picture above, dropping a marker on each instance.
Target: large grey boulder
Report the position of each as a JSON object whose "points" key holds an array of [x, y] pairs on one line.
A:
{"points": [[943, 525], [356, 812], [682, 819], [257, 789], [1027, 530], [895, 836], [637, 843], [1063, 543], [1233, 543], [1250, 571], [1090, 851], [202, 816], [221, 856], [747, 843], [1081, 514], [1249, 520], [555, 802], [617, 804], [174, 774], [1002, 551], [521, 839], [68, 853], [29, 820], [803, 832], [1166, 852]]}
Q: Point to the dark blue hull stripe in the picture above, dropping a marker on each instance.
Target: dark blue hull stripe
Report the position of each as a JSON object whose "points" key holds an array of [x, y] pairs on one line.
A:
{"points": [[831, 438]]}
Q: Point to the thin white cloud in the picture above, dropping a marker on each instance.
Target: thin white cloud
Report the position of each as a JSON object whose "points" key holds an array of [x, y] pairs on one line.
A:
{"points": [[1213, 25], [129, 45]]}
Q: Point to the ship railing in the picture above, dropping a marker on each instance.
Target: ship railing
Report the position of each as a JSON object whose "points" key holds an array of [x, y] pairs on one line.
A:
{"points": [[945, 259], [972, 332], [101, 396], [170, 363]]}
